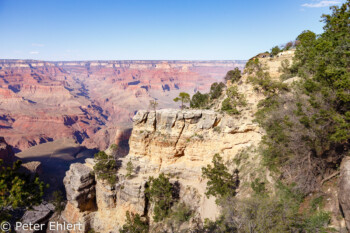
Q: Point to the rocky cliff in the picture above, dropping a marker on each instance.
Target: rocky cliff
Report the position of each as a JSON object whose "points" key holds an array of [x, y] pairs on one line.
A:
{"points": [[177, 143]]}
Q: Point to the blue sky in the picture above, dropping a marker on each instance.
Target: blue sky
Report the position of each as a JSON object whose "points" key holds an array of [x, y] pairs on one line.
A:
{"points": [[152, 29]]}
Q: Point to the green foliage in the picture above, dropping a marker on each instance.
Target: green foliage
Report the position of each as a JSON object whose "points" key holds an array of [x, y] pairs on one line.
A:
{"points": [[216, 90], [317, 222], [263, 83], [199, 100], [234, 99], [160, 193], [220, 181], [58, 201], [261, 79], [259, 187], [275, 50], [253, 65], [218, 226], [233, 75], [279, 212], [228, 107], [105, 167], [286, 70], [180, 213], [317, 203], [308, 129], [129, 169], [134, 224], [184, 98], [114, 147], [18, 190]]}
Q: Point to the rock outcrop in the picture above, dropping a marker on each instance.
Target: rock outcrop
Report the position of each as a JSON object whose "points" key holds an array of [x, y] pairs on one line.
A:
{"points": [[81, 195], [177, 143], [79, 183]]}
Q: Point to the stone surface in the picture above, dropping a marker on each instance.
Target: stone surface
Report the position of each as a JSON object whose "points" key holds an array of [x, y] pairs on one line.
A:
{"points": [[34, 167], [80, 187], [38, 215]]}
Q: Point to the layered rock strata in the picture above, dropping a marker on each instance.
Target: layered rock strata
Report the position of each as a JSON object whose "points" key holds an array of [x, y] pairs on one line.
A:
{"points": [[91, 100]]}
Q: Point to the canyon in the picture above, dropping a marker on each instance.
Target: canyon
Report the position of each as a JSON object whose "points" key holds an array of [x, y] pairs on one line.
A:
{"points": [[92, 102]]}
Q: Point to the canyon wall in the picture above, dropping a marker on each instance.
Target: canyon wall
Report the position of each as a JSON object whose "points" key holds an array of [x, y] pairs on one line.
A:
{"points": [[91, 101], [178, 143]]}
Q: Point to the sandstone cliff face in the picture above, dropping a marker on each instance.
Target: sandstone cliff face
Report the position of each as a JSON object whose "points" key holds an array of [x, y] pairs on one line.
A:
{"points": [[177, 143]]}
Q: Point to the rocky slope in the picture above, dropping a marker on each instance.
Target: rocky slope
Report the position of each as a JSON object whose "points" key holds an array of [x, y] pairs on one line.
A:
{"points": [[175, 142], [91, 100]]}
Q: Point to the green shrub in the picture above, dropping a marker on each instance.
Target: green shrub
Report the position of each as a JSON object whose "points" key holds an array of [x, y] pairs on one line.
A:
{"points": [[228, 107], [18, 190], [106, 167], [114, 147], [129, 169], [286, 70], [220, 181], [181, 213], [233, 100], [233, 75], [253, 65], [216, 90], [199, 100], [262, 82], [184, 98], [160, 193], [259, 187], [275, 50], [317, 222], [134, 224], [279, 212]]}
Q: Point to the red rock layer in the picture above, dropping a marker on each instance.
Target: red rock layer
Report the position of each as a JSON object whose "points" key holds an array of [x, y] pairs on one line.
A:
{"points": [[90, 101]]}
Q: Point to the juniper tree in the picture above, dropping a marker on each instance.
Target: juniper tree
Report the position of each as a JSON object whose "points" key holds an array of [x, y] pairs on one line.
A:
{"points": [[184, 98]]}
